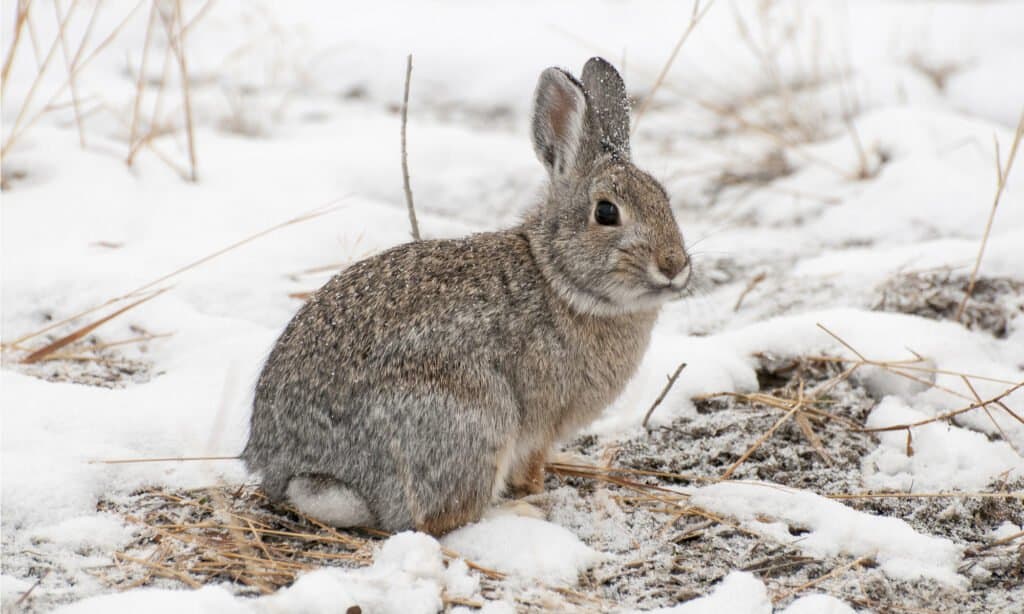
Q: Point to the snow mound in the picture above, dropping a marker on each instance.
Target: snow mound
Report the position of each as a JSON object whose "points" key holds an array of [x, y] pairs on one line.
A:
{"points": [[525, 547], [739, 593], [833, 529]]}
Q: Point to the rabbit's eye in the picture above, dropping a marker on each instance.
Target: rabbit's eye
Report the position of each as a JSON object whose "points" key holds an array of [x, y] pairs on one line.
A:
{"points": [[606, 213]]}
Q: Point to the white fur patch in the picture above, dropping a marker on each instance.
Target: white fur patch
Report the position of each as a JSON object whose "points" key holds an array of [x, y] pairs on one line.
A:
{"points": [[334, 505], [504, 466], [518, 507]]}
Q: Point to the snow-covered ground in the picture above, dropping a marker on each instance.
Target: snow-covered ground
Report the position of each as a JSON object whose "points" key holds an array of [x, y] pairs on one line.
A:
{"points": [[830, 163]]}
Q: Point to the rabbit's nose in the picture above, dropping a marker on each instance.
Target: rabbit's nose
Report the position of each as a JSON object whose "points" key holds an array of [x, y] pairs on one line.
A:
{"points": [[671, 263]]}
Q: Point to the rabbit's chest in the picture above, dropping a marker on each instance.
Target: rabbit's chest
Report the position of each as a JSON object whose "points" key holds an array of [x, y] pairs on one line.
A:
{"points": [[581, 371]]}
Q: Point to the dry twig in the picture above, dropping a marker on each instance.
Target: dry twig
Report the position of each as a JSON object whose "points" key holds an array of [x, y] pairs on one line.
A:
{"points": [[664, 391], [405, 155], [695, 18]]}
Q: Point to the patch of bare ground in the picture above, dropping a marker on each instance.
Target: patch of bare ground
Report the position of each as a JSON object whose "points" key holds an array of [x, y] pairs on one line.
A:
{"points": [[937, 294], [93, 361]]}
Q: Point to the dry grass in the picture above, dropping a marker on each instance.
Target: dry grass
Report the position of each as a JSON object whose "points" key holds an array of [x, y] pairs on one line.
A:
{"points": [[236, 535], [30, 113], [137, 296], [142, 132], [216, 535], [1002, 173], [695, 18]]}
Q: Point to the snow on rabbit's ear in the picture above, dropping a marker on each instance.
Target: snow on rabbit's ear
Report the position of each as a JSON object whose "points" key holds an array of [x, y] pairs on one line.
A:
{"points": [[608, 105], [558, 112]]}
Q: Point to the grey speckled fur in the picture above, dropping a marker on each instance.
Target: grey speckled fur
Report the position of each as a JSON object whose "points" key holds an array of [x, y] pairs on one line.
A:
{"points": [[429, 377]]}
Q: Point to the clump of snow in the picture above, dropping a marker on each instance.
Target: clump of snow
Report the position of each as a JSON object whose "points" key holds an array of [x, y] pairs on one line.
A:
{"points": [[526, 547], [829, 528], [739, 592], [818, 604], [943, 456], [83, 532]]}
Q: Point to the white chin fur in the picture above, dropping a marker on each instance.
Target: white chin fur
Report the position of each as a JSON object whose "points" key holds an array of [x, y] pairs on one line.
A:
{"points": [[625, 302], [334, 505]]}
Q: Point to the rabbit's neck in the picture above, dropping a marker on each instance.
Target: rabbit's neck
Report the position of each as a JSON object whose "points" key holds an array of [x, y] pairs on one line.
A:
{"points": [[578, 297]]}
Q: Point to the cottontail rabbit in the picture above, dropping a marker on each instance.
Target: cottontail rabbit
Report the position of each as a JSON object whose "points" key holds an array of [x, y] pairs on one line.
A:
{"points": [[418, 385]]}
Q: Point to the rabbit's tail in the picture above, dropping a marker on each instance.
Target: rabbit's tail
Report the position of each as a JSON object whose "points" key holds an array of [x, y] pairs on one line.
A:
{"points": [[329, 501]]}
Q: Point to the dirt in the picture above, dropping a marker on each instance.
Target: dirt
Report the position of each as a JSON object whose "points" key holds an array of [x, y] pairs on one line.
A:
{"points": [[938, 294], [90, 361]]}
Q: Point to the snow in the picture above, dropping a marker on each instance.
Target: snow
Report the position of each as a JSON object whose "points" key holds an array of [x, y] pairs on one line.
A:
{"points": [[407, 577], [526, 547], [818, 604], [944, 457], [832, 528], [739, 592], [305, 119]]}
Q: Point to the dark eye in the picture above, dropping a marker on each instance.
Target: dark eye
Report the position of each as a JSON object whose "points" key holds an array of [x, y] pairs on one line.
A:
{"points": [[606, 213]]}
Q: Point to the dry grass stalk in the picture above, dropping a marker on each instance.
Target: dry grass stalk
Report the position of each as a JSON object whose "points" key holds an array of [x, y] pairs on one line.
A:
{"points": [[977, 397], [1002, 173], [928, 495], [20, 17], [176, 39], [805, 427], [24, 596], [695, 17], [79, 65], [664, 391], [405, 155], [80, 333], [165, 459], [999, 542], [140, 83], [897, 368], [907, 365], [750, 287], [71, 76], [133, 340], [946, 415], [835, 572], [27, 102], [796, 405]]}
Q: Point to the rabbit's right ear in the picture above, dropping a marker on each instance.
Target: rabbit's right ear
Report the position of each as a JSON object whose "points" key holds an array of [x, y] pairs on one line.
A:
{"points": [[558, 113]]}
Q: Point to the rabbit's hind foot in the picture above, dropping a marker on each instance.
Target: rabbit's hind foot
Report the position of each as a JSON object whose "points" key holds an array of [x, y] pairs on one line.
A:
{"points": [[516, 507], [329, 501]]}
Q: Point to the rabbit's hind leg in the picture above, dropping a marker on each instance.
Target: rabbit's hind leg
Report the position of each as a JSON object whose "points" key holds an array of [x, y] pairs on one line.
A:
{"points": [[528, 475], [328, 500]]}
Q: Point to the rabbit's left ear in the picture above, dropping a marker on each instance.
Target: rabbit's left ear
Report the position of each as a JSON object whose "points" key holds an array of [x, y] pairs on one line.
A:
{"points": [[608, 108]]}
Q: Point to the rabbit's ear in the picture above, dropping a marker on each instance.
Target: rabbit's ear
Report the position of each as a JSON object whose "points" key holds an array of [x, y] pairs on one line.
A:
{"points": [[558, 115], [609, 106]]}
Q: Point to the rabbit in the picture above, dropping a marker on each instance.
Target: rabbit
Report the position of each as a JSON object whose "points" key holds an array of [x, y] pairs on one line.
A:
{"points": [[419, 386]]}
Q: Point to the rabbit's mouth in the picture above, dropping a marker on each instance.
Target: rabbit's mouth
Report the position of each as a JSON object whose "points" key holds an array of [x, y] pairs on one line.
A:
{"points": [[657, 284]]}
